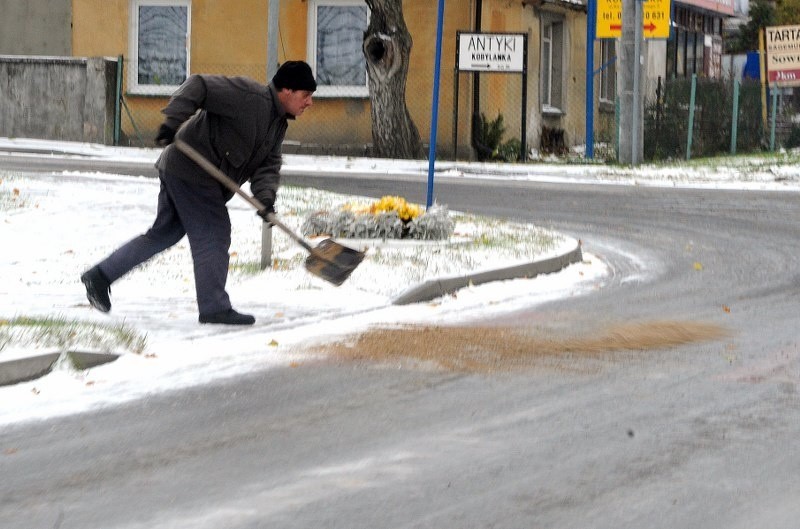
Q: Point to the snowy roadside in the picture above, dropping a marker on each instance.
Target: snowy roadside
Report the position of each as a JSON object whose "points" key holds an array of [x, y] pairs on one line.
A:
{"points": [[768, 171], [60, 224], [74, 218]]}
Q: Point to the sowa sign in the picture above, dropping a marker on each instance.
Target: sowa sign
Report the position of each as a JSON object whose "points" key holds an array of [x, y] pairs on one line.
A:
{"points": [[783, 55], [491, 52]]}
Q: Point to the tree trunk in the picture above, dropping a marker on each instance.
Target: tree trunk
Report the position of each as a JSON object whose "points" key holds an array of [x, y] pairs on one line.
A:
{"points": [[387, 48]]}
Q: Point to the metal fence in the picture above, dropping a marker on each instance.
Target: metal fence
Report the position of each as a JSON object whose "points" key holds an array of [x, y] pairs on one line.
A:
{"points": [[725, 116], [488, 118]]}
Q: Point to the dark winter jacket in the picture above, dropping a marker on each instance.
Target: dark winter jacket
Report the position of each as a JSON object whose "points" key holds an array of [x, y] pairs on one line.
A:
{"points": [[236, 123]]}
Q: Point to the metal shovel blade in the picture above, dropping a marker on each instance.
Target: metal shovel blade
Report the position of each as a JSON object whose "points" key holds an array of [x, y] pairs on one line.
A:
{"points": [[333, 262]]}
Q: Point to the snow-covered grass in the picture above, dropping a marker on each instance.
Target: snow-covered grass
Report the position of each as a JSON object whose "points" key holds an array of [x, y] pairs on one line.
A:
{"points": [[54, 332], [478, 243]]}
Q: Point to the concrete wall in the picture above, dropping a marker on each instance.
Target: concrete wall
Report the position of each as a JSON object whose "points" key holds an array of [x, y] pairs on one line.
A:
{"points": [[58, 98], [36, 27]]}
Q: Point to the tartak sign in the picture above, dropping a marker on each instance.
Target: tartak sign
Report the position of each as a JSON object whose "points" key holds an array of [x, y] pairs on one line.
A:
{"points": [[783, 55]]}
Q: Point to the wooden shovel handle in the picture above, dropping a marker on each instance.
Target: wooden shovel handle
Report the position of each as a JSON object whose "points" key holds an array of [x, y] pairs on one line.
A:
{"points": [[228, 182], [218, 175]]}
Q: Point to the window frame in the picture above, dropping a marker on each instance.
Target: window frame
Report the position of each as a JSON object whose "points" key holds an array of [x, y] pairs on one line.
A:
{"points": [[608, 72], [341, 91], [134, 87], [547, 63], [550, 51]]}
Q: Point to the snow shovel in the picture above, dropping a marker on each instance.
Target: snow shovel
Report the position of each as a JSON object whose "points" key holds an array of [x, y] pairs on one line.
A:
{"points": [[330, 260]]}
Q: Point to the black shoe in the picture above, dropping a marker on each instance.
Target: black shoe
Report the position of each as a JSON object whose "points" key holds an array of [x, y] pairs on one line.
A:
{"points": [[98, 288], [228, 317]]}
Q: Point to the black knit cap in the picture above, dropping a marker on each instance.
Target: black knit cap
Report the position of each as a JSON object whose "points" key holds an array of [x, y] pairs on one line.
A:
{"points": [[295, 75]]}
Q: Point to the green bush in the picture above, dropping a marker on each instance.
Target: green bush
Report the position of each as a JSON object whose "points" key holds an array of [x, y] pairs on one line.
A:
{"points": [[794, 137], [490, 135], [510, 150]]}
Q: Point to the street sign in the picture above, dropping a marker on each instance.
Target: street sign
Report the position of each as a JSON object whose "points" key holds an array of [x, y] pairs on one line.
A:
{"points": [[491, 52], [783, 55], [655, 19], [609, 19], [655, 16]]}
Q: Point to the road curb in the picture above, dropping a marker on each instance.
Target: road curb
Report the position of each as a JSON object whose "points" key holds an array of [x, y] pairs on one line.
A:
{"points": [[33, 367], [439, 287], [28, 368]]}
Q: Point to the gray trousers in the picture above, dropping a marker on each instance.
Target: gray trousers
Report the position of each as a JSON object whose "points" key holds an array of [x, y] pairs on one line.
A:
{"points": [[200, 213]]}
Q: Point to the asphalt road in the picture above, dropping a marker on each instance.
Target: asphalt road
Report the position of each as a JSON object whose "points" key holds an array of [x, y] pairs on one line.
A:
{"points": [[701, 435]]}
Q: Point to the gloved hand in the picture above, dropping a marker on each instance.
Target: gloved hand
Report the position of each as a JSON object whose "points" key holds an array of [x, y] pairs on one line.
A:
{"points": [[266, 210], [165, 135]]}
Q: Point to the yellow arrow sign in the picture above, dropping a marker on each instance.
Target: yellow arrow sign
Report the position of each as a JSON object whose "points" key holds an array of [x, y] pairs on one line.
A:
{"points": [[609, 19], [655, 19]]}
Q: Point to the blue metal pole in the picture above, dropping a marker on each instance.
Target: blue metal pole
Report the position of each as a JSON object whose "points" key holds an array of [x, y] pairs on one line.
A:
{"points": [[774, 114], [735, 115], [691, 117], [435, 104], [590, 33]]}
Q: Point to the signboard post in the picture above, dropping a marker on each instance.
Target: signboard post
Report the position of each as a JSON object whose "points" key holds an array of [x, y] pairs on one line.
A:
{"points": [[493, 53]]}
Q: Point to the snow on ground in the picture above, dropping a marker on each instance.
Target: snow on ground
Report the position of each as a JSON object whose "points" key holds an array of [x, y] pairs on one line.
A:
{"points": [[57, 225]]}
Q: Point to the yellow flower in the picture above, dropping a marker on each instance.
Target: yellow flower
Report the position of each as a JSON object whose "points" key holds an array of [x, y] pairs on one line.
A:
{"points": [[357, 209], [409, 211], [387, 203]]}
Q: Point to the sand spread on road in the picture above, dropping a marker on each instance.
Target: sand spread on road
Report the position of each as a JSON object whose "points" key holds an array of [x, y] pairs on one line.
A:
{"points": [[493, 349]]}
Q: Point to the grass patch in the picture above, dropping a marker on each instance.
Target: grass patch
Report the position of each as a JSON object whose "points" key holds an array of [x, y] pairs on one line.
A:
{"points": [[24, 331], [248, 268], [736, 161], [281, 263]]}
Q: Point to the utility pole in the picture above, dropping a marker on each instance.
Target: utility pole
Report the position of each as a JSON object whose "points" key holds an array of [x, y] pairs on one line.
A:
{"points": [[632, 69], [272, 67], [272, 38]]}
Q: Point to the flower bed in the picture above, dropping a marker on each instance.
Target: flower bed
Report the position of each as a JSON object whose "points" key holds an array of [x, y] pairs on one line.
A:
{"points": [[390, 217]]}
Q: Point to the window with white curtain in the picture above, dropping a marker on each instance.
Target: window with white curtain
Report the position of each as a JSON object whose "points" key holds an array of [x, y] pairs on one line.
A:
{"points": [[336, 33], [159, 45]]}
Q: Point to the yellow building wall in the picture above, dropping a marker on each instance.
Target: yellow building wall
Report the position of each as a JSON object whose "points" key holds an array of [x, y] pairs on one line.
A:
{"points": [[505, 90], [231, 38], [527, 20], [226, 38], [574, 122], [347, 120]]}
